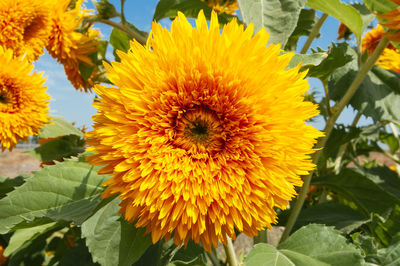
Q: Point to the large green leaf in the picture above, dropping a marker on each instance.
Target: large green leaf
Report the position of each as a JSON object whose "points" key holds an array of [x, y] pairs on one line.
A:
{"points": [[24, 235], [9, 184], [342, 217], [311, 245], [391, 256], [345, 13], [65, 191], [64, 147], [378, 95], [305, 24], [307, 60], [111, 240], [192, 255], [358, 189], [279, 17], [381, 6], [59, 127], [385, 178], [338, 56], [366, 15], [191, 9]]}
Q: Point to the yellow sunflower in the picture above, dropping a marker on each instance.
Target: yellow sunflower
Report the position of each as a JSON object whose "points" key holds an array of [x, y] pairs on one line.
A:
{"points": [[69, 47], [392, 22], [24, 27], [223, 6], [203, 132], [23, 100], [390, 58]]}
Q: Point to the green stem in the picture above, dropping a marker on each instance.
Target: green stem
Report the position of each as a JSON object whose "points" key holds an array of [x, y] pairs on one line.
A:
{"points": [[230, 253], [123, 21], [262, 237], [343, 148], [337, 109], [213, 257], [314, 32], [130, 32], [327, 99]]}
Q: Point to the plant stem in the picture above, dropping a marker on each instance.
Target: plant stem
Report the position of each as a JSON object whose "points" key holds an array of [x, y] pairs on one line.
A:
{"points": [[262, 237], [230, 253], [213, 257], [327, 99], [337, 109], [130, 32], [123, 21], [314, 32], [343, 148]]}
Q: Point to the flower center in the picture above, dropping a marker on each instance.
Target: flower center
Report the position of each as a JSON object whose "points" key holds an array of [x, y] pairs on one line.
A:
{"points": [[9, 100], [199, 130], [3, 98]]}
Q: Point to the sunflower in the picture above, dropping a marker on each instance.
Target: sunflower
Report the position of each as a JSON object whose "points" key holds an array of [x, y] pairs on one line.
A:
{"points": [[392, 22], [390, 58], [69, 47], [203, 132], [23, 100], [24, 27], [223, 6]]}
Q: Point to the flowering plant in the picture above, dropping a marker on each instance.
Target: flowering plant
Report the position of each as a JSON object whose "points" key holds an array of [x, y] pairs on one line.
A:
{"points": [[205, 134]]}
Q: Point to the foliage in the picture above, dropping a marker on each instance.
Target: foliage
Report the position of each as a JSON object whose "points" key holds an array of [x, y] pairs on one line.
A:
{"points": [[351, 211]]}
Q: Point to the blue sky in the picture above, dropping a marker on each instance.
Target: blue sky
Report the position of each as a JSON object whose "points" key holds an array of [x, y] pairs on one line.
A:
{"points": [[76, 106]]}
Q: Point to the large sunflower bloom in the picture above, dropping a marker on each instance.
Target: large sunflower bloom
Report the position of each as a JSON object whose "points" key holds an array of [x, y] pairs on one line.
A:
{"points": [[24, 27], [23, 100], [69, 47], [392, 22], [204, 132], [223, 6], [390, 58]]}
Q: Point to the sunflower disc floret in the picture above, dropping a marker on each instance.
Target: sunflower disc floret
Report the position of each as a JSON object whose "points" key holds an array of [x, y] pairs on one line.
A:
{"points": [[23, 100], [203, 132]]}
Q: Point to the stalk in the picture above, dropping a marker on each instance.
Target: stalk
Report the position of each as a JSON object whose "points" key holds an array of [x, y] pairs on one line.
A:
{"points": [[130, 32], [230, 253], [337, 109], [314, 32]]}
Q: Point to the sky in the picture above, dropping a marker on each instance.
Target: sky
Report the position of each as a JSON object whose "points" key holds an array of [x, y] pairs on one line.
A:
{"points": [[76, 106]]}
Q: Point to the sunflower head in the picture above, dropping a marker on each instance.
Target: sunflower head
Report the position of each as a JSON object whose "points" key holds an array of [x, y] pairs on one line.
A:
{"points": [[223, 6], [24, 26], [204, 132], [70, 47], [390, 60], [23, 100]]}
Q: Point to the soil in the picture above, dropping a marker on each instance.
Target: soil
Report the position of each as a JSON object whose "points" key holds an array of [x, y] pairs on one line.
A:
{"points": [[17, 162]]}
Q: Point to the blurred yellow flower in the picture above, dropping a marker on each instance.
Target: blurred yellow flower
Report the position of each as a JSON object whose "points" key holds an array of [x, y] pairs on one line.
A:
{"points": [[23, 100], [390, 58], [24, 26], [203, 132], [3, 259], [69, 47], [223, 6]]}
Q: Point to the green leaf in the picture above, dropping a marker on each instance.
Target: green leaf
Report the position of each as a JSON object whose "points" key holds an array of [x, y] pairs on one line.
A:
{"points": [[307, 60], [311, 245], [366, 15], [324, 244], [340, 216], [190, 8], [385, 179], [338, 56], [77, 255], [306, 22], [65, 191], [380, 6], [85, 70], [120, 40], [358, 189], [111, 240], [9, 184], [279, 17], [392, 254], [391, 141], [345, 13], [60, 127], [378, 95], [193, 255], [64, 147], [22, 236]]}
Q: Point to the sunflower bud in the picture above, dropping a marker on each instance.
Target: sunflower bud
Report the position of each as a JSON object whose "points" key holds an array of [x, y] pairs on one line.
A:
{"points": [[105, 9]]}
